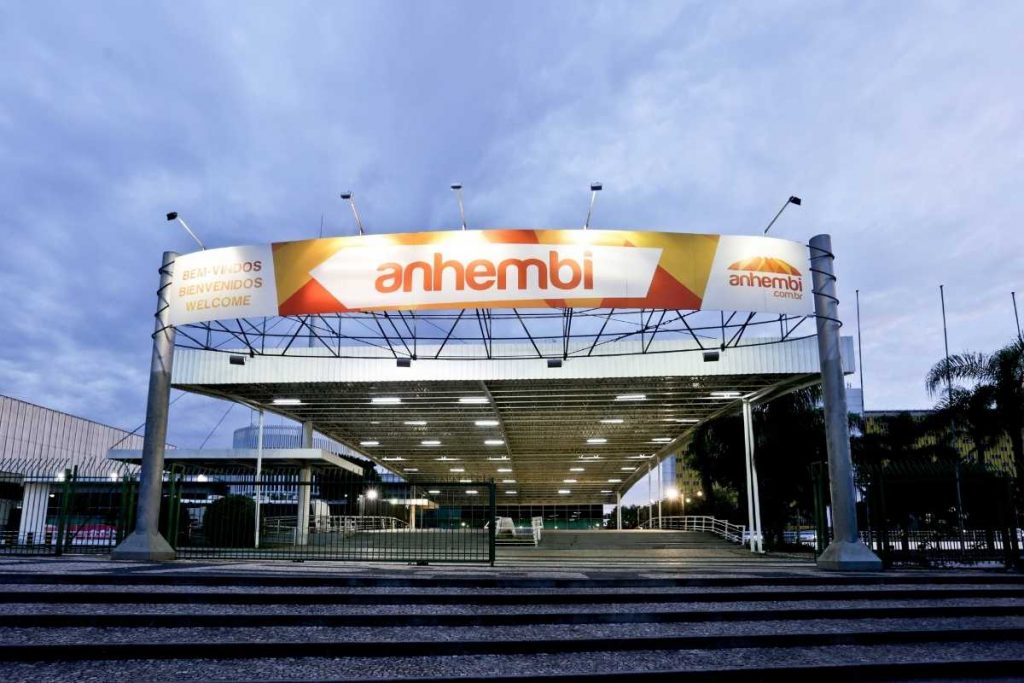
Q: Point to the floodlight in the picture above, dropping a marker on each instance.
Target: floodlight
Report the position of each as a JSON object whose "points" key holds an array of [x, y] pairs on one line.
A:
{"points": [[173, 216], [457, 189], [792, 200], [236, 360], [594, 189], [554, 362], [404, 362], [351, 199]]}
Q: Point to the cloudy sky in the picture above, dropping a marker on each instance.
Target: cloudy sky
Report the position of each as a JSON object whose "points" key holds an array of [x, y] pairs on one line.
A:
{"points": [[900, 125]]}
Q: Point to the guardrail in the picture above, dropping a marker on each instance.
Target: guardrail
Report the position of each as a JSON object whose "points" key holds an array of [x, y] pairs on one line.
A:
{"points": [[727, 530], [346, 524]]}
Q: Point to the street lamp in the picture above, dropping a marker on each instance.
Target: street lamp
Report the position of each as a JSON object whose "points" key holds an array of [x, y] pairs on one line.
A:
{"points": [[457, 189], [594, 189], [351, 199], [173, 216], [792, 200]]}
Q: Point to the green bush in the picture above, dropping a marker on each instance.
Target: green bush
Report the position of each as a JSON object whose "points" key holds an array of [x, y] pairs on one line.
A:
{"points": [[228, 522]]}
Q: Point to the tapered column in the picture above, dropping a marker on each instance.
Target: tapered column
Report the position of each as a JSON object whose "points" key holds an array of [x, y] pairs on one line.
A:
{"points": [[145, 542], [305, 487], [846, 552]]}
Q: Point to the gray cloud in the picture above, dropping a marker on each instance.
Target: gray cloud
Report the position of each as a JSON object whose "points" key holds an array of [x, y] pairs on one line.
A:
{"points": [[899, 124]]}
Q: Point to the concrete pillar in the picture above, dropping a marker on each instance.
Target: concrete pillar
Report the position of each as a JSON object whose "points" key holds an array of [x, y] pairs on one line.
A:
{"points": [[305, 488], [35, 500], [145, 542], [845, 552], [412, 517], [618, 510]]}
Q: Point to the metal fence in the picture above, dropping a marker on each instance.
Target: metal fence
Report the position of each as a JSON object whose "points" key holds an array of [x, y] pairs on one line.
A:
{"points": [[332, 515], [54, 511], [930, 514]]}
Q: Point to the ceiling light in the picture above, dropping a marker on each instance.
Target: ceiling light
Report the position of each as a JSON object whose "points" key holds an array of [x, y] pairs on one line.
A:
{"points": [[412, 469], [434, 492], [510, 493], [631, 397], [564, 491], [590, 457], [607, 491], [504, 469], [627, 469], [471, 492], [287, 402], [369, 443], [568, 481], [725, 394], [465, 481], [394, 459], [577, 469], [415, 423], [612, 421], [445, 458], [614, 481], [385, 399], [494, 442], [457, 469], [508, 481], [662, 439], [486, 423], [473, 399], [597, 439], [431, 442]]}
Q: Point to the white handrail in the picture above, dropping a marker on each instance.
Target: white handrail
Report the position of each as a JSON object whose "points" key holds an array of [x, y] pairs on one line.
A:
{"points": [[725, 529], [335, 523]]}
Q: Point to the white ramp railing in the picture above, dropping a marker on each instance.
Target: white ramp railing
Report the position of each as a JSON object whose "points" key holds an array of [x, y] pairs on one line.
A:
{"points": [[727, 530]]}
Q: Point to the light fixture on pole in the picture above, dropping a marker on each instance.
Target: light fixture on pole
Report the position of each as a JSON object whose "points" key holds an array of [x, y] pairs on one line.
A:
{"points": [[594, 189], [457, 189], [1016, 317], [791, 200], [173, 216], [351, 199]]}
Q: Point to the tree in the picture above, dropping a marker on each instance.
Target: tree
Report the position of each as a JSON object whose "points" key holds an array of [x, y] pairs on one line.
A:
{"points": [[789, 435], [998, 377]]}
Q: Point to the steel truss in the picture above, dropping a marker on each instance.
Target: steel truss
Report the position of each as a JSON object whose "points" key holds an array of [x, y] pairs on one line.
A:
{"points": [[494, 334]]}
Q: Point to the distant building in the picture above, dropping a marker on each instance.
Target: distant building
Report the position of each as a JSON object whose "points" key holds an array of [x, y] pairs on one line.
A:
{"points": [[37, 445], [998, 458], [32, 437], [290, 436]]}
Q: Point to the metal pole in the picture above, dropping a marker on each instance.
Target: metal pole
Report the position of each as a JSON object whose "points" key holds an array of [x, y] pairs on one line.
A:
{"points": [[748, 460], [145, 542], [952, 425], [661, 495], [259, 475], [860, 357], [618, 510], [305, 491], [1016, 317], [846, 552], [756, 537], [650, 498]]}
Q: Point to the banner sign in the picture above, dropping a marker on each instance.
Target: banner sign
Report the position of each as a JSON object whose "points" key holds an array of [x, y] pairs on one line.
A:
{"points": [[493, 269]]}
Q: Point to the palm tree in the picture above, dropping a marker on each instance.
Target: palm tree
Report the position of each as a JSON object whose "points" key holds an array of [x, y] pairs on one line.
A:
{"points": [[973, 411], [999, 378]]}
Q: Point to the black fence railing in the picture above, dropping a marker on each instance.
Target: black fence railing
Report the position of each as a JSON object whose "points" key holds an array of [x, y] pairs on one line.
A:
{"points": [[330, 515], [930, 514]]}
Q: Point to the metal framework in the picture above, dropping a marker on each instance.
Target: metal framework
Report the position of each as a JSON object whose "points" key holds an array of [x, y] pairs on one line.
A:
{"points": [[493, 334]]}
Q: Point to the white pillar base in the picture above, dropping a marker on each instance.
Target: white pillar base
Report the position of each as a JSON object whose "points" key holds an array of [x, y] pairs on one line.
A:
{"points": [[846, 556]]}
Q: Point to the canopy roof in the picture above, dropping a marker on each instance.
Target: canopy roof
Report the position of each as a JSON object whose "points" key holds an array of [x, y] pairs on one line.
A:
{"points": [[578, 433]]}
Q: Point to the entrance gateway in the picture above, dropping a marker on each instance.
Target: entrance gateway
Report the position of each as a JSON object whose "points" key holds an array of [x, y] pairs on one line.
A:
{"points": [[561, 365]]}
